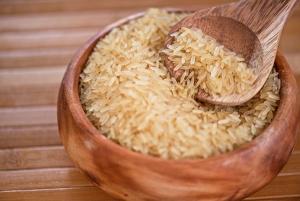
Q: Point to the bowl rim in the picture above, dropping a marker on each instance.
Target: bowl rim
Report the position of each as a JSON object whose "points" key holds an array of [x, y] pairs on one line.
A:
{"points": [[70, 85]]}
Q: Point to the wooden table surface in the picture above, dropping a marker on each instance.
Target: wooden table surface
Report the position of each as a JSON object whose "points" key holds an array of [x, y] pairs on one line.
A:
{"points": [[37, 39]]}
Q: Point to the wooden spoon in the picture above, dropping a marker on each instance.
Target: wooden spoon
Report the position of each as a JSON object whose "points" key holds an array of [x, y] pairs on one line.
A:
{"points": [[250, 28]]}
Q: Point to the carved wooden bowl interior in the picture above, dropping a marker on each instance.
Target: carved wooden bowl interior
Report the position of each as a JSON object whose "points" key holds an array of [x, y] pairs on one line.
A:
{"points": [[136, 177]]}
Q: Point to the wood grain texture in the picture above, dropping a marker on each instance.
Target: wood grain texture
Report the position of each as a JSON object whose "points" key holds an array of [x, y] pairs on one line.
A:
{"points": [[289, 40], [95, 194], [297, 146], [71, 177], [86, 193], [16, 6], [120, 174], [38, 39], [42, 178], [37, 157], [293, 164], [294, 197], [46, 38], [27, 116], [77, 5], [28, 91], [279, 187], [55, 178], [49, 21], [28, 136], [36, 57]]}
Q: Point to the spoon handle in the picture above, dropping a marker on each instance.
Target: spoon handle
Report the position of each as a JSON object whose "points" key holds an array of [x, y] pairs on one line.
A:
{"points": [[263, 16]]}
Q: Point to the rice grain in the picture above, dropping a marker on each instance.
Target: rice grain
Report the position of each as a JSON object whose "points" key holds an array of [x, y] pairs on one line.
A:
{"points": [[128, 94]]}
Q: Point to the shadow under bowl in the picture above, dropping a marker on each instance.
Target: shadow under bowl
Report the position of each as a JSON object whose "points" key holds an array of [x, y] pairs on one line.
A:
{"points": [[136, 177]]}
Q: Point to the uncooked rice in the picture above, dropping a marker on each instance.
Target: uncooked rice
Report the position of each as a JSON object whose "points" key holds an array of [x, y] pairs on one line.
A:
{"points": [[128, 94], [215, 69]]}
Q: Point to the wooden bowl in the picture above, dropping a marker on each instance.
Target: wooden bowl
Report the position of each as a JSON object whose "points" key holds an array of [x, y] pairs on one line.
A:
{"points": [[136, 177]]}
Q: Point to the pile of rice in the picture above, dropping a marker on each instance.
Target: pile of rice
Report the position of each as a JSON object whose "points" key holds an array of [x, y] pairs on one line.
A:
{"points": [[129, 96], [215, 69]]}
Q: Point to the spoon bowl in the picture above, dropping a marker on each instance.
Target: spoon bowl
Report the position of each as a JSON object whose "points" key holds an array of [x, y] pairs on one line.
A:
{"points": [[250, 28]]}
